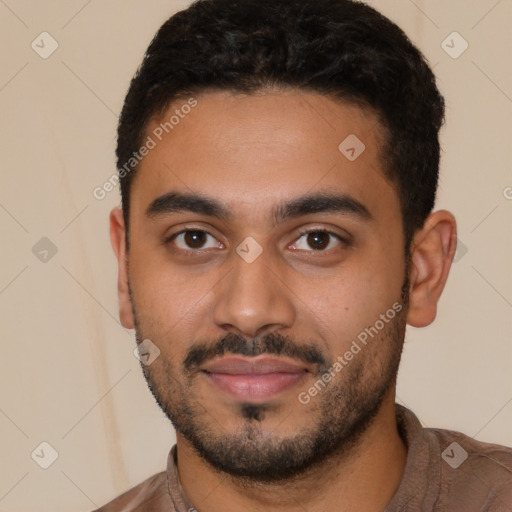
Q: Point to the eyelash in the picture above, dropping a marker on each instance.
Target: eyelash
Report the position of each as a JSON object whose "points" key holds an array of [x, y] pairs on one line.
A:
{"points": [[344, 241]]}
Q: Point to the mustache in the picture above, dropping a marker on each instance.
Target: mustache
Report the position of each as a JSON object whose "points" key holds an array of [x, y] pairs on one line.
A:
{"points": [[272, 343]]}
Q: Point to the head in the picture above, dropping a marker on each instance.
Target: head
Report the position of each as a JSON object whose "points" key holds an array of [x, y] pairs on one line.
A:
{"points": [[282, 206]]}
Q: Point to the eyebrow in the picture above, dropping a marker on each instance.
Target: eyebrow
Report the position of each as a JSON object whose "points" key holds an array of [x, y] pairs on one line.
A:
{"points": [[175, 202]]}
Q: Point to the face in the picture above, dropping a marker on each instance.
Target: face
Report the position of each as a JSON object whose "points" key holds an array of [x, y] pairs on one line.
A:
{"points": [[267, 266]]}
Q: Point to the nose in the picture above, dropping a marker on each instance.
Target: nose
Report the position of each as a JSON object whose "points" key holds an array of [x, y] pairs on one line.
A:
{"points": [[253, 299]]}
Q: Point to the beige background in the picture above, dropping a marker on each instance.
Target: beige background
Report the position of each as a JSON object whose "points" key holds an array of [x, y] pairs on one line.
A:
{"points": [[69, 376]]}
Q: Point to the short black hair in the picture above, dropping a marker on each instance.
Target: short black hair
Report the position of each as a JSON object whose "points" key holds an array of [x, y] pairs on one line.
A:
{"points": [[340, 48]]}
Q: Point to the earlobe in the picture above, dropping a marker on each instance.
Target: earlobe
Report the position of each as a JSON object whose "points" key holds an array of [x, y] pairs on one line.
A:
{"points": [[118, 240], [433, 249]]}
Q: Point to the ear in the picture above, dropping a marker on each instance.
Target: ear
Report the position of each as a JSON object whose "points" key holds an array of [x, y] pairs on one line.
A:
{"points": [[118, 239], [432, 252]]}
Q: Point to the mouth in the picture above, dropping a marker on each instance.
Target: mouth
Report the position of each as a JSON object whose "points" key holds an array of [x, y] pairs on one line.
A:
{"points": [[253, 379]]}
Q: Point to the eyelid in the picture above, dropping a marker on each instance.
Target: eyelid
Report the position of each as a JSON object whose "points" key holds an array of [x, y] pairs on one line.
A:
{"points": [[346, 237]]}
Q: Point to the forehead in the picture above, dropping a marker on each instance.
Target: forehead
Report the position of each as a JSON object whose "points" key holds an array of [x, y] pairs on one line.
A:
{"points": [[253, 151]]}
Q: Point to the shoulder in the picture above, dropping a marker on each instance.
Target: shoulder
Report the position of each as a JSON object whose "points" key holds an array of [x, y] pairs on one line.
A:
{"points": [[150, 495], [476, 472]]}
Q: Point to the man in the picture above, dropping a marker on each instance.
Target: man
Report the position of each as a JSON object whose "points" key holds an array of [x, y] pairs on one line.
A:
{"points": [[278, 162]]}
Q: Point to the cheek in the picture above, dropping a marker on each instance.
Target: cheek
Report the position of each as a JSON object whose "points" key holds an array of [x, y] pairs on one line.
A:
{"points": [[352, 297], [169, 295]]}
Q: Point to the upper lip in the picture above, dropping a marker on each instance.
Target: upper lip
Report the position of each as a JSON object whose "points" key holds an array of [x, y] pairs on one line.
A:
{"points": [[259, 365]]}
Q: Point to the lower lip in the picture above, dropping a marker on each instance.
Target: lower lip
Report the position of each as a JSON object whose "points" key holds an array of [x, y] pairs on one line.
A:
{"points": [[250, 387]]}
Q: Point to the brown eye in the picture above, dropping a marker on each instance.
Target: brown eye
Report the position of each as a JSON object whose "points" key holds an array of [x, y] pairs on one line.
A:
{"points": [[194, 239], [318, 241]]}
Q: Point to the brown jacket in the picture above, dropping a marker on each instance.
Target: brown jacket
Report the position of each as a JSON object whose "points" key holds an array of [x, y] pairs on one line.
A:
{"points": [[446, 471]]}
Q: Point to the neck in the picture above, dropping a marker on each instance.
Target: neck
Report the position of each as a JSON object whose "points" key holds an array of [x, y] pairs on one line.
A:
{"points": [[365, 479]]}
